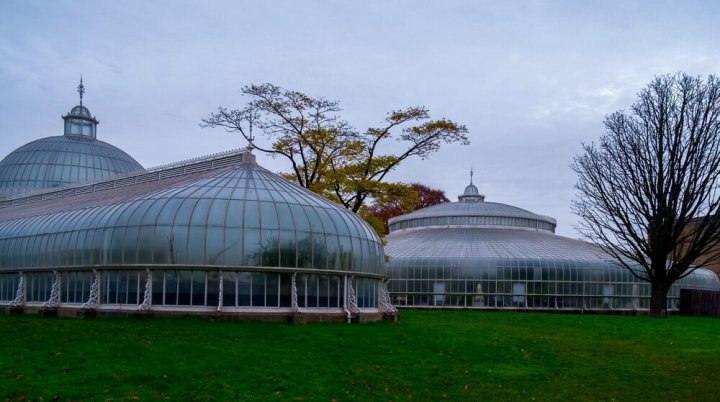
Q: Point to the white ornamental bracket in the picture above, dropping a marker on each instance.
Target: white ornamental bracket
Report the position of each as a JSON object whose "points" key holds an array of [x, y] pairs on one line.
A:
{"points": [[384, 300], [220, 292], [94, 300], [147, 296], [20, 295], [293, 295], [54, 300], [351, 297]]}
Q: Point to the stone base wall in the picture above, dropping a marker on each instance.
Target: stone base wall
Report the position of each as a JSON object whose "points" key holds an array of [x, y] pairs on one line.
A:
{"points": [[291, 317]]}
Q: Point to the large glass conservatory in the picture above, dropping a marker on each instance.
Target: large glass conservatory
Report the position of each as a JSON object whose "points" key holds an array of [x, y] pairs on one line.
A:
{"points": [[485, 255], [85, 229], [218, 235]]}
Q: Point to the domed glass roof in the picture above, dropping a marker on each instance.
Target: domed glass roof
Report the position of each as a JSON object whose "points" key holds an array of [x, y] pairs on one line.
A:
{"points": [[60, 161], [471, 190], [472, 211], [238, 216], [489, 243], [76, 157], [80, 110]]}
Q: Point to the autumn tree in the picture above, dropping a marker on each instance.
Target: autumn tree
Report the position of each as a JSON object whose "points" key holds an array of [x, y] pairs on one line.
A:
{"points": [[654, 171], [327, 155], [423, 197], [305, 131], [363, 174]]}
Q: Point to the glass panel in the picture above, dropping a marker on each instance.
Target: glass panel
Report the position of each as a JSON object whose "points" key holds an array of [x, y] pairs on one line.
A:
{"points": [[258, 289], [171, 287], [272, 297], [133, 288], [184, 287], [244, 288], [229, 286], [198, 288], [157, 287]]}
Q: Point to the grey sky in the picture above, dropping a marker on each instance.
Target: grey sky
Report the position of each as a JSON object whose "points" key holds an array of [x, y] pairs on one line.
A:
{"points": [[530, 79]]}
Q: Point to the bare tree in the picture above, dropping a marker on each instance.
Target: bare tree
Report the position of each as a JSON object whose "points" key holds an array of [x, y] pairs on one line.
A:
{"points": [[654, 171]]}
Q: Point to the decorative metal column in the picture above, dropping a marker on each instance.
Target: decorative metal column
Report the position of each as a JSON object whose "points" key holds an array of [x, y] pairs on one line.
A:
{"points": [[384, 301], [54, 300], [147, 296], [293, 295], [220, 292], [351, 297], [94, 299], [20, 294]]}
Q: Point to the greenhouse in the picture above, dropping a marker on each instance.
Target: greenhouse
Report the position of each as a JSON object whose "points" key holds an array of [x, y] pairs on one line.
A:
{"points": [[486, 255], [218, 235]]}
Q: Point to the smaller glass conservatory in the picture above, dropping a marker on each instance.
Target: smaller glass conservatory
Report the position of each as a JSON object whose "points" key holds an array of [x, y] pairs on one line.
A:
{"points": [[477, 254]]}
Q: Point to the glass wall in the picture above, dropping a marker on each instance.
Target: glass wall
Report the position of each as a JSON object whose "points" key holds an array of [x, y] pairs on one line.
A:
{"points": [[75, 286], [526, 283], [38, 286], [8, 286], [123, 288], [319, 291]]}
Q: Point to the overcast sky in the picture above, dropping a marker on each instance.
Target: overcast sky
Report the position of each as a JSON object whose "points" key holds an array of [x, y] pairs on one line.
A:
{"points": [[531, 80]]}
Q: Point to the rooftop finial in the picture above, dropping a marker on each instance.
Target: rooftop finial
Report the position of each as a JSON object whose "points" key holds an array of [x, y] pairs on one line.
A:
{"points": [[81, 90], [471, 193], [250, 137]]}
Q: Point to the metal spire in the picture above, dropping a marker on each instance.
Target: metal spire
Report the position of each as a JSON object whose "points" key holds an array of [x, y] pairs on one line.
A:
{"points": [[81, 90], [471, 176], [250, 136]]}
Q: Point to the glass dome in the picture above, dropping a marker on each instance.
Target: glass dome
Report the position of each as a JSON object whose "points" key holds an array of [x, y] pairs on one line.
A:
{"points": [[60, 161], [76, 157], [471, 190], [80, 111], [472, 212]]}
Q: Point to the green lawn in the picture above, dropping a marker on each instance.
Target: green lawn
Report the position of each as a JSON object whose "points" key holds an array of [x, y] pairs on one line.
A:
{"points": [[428, 355]]}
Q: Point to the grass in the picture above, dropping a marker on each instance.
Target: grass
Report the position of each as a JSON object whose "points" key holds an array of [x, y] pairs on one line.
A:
{"points": [[428, 355]]}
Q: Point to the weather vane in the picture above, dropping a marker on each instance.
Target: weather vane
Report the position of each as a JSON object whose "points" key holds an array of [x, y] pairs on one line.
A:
{"points": [[81, 90]]}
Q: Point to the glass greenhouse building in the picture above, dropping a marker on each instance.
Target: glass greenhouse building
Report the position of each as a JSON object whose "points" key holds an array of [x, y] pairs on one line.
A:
{"points": [[218, 235], [486, 255], [85, 229]]}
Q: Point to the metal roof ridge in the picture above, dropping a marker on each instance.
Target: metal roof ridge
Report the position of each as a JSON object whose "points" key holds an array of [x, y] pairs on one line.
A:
{"points": [[195, 160]]}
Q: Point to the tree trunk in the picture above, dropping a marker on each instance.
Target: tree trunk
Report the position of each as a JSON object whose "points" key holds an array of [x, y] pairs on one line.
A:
{"points": [[658, 299]]}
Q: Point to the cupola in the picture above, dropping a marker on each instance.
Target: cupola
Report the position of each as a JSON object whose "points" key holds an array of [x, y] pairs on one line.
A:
{"points": [[79, 122]]}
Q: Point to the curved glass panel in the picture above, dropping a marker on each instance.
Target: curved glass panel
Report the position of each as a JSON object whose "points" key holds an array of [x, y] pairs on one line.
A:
{"points": [[511, 268], [262, 220]]}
